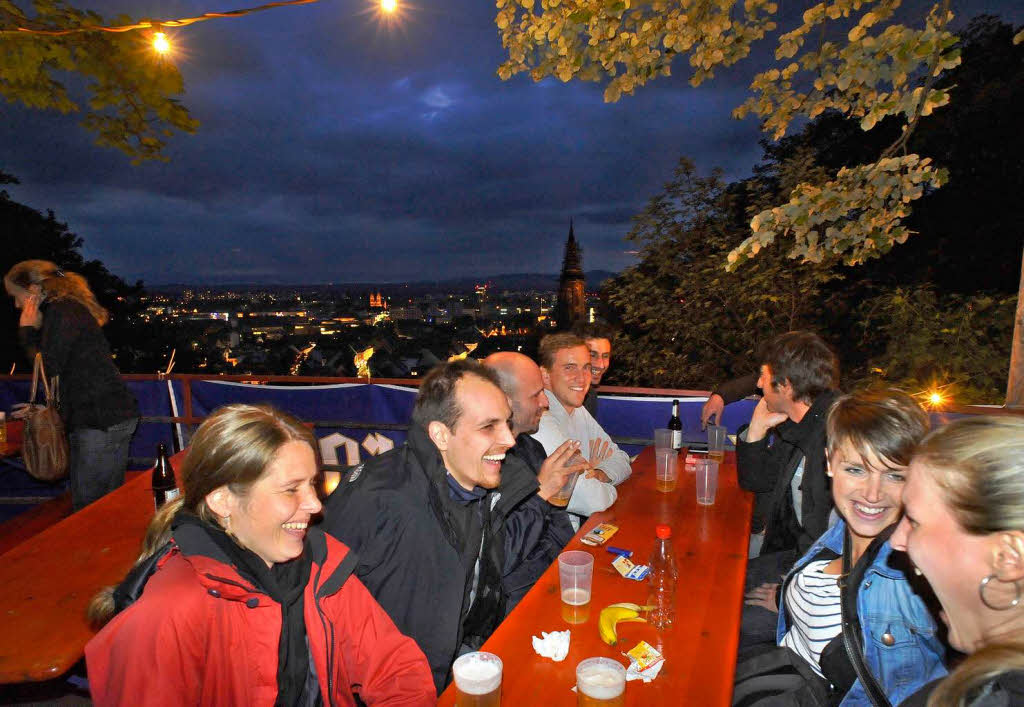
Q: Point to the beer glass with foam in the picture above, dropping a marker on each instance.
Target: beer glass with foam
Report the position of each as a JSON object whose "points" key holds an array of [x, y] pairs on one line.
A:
{"points": [[477, 680], [600, 682]]}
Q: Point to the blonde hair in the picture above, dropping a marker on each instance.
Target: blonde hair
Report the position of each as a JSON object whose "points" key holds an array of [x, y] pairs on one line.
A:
{"points": [[232, 448], [978, 463], [55, 284]]}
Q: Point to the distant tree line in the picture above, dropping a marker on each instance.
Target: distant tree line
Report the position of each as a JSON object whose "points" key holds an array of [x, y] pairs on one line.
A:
{"points": [[935, 311]]}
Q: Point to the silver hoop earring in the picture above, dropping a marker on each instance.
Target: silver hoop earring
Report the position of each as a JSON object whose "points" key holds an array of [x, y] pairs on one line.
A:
{"points": [[981, 593]]}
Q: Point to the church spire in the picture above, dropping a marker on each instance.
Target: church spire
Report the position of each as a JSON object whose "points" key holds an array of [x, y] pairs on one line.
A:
{"points": [[571, 284]]}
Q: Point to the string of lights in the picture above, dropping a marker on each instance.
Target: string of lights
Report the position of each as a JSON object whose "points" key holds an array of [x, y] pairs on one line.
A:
{"points": [[155, 24], [160, 41]]}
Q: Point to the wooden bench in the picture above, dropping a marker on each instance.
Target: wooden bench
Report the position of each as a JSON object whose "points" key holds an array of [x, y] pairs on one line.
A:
{"points": [[46, 582]]}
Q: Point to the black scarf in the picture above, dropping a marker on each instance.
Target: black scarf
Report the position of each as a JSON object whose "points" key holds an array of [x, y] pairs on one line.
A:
{"points": [[285, 583]]}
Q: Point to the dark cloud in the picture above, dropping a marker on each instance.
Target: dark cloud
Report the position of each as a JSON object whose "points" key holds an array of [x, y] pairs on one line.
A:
{"points": [[333, 149]]}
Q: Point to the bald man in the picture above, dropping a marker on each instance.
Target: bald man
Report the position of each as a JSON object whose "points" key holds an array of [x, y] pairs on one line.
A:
{"points": [[547, 528]]}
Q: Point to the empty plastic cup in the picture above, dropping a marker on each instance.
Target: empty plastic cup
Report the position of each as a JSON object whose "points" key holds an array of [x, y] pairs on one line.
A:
{"points": [[706, 471]]}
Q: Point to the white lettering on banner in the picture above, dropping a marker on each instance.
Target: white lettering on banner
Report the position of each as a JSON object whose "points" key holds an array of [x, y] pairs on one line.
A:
{"points": [[329, 449], [376, 443]]}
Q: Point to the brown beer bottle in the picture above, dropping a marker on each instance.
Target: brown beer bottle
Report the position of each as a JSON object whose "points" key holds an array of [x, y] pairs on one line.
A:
{"points": [[164, 486]]}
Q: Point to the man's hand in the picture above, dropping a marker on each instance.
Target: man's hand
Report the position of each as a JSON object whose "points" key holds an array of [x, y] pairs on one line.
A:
{"points": [[556, 468], [600, 449], [763, 420], [30, 314], [764, 596], [599, 475], [711, 413]]}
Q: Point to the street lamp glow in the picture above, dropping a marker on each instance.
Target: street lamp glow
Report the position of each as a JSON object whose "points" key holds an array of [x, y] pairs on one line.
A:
{"points": [[160, 43], [388, 6]]}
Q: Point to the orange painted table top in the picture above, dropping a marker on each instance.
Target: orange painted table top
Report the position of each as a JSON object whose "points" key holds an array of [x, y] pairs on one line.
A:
{"points": [[710, 543], [46, 582], [15, 428]]}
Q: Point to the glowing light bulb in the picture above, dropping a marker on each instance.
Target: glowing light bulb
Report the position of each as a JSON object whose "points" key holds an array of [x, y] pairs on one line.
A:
{"points": [[388, 6], [161, 43]]}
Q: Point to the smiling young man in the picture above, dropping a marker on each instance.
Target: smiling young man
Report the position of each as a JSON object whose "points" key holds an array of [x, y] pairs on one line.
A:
{"points": [[428, 519], [598, 338], [565, 368]]}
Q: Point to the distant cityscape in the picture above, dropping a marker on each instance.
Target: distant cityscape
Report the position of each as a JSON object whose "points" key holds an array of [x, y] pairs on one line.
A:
{"points": [[390, 331]]}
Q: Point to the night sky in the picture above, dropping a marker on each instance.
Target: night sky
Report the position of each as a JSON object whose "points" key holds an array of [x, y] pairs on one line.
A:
{"points": [[333, 149]]}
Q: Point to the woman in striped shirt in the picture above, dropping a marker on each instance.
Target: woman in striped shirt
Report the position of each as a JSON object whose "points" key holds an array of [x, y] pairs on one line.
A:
{"points": [[890, 648]]}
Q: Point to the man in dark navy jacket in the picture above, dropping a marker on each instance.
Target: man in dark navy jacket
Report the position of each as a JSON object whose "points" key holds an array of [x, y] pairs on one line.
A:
{"points": [[430, 519], [781, 457], [542, 529]]}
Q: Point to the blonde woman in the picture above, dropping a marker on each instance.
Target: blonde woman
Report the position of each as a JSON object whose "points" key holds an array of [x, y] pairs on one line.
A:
{"points": [[964, 530], [250, 605], [61, 318]]}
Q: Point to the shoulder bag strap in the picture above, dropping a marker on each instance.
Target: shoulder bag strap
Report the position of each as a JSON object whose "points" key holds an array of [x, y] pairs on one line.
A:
{"points": [[851, 634], [39, 373]]}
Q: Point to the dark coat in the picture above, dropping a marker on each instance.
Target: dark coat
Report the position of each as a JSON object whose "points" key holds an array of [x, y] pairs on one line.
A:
{"points": [[92, 394], [536, 530], [767, 466], [418, 547], [738, 388]]}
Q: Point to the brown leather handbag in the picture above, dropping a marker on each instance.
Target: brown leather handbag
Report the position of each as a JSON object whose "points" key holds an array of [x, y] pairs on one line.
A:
{"points": [[45, 445]]}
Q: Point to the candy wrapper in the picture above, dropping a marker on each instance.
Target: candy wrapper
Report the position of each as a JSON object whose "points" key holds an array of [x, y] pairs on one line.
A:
{"points": [[645, 662]]}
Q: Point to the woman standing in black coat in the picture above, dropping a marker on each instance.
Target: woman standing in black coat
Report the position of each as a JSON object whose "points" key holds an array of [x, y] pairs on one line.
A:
{"points": [[61, 318]]}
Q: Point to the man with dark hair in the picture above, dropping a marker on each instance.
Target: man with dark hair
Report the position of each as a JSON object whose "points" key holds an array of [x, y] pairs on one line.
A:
{"points": [[781, 457], [544, 529], [428, 519], [599, 340], [565, 369]]}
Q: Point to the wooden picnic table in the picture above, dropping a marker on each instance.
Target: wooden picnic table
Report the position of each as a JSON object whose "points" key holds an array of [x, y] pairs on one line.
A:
{"points": [[710, 543], [12, 446], [47, 581]]}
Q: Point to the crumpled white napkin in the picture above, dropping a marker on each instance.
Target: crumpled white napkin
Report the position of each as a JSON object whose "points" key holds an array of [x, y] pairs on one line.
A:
{"points": [[633, 674], [553, 645]]}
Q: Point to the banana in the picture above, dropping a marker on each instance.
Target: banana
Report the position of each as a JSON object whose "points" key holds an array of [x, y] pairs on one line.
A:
{"points": [[615, 613]]}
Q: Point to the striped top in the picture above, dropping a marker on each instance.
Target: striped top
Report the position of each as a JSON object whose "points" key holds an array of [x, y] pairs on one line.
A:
{"points": [[812, 602]]}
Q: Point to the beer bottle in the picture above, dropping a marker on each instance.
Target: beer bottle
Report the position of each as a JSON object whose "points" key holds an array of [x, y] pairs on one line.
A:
{"points": [[164, 487], [662, 578], [676, 425]]}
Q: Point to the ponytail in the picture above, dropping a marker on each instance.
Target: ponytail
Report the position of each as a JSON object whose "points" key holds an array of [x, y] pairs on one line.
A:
{"points": [[102, 607]]}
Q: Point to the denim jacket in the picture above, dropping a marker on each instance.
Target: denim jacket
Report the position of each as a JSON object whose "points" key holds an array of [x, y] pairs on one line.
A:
{"points": [[889, 611]]}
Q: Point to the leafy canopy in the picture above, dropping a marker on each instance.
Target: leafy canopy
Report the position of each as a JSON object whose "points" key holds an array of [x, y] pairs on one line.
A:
{"points": [[848, 56], [129, 91]]}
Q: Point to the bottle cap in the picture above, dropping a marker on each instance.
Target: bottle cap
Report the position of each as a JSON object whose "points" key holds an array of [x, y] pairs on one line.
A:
{"points": [[664, 532]]}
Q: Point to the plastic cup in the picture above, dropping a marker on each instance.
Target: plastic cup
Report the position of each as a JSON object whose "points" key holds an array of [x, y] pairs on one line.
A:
{"points": [[562, 496], [663, 439], [600, 681], [716, 442], [706, 471], [667, 469], [477, 680], [575, 576]]}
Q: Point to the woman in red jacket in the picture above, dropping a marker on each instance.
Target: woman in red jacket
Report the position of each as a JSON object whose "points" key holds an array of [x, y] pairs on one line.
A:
{"points": [[250, 605]]}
